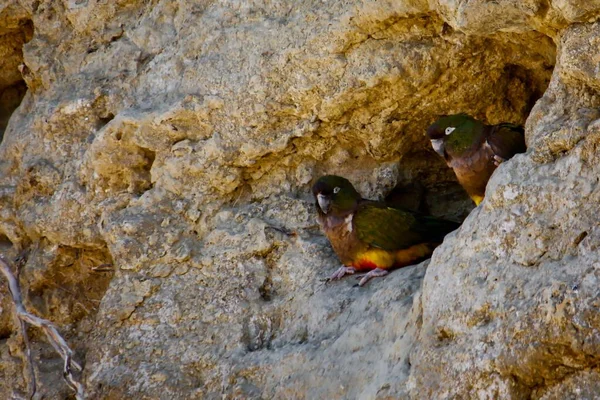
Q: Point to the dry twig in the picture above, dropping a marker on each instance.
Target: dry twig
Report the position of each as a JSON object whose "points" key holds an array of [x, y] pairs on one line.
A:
{"points": [[104, 268], [55, 339], [32, 382]]}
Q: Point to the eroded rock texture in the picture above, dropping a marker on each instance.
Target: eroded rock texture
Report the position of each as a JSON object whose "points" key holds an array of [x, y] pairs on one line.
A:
{"points": [[176, 141]]}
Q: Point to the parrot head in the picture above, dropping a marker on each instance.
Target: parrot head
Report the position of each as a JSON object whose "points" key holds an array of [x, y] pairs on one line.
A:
{"points": [[335, 195], [440, 131]]}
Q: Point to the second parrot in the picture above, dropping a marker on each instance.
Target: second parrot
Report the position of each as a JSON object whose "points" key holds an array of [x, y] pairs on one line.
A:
{"points": [[474, 150]]}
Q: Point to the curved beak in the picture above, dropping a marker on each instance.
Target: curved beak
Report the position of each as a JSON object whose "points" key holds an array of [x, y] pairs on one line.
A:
{"points": [[324, 202], [438, 146]]}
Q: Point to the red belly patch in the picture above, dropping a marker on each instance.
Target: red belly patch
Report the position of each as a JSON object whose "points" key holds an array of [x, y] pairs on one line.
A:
{"points": [[364, 264]]}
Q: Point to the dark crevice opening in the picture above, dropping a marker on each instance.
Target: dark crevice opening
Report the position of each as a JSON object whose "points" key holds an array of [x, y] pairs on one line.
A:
{"points": [[10, 99], [150, 157], [12, 84], [146, 183], [103, 121], [5, 243]]}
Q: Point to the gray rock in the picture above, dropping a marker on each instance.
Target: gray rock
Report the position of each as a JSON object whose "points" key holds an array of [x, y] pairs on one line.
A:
{"points": [[158, 170]]}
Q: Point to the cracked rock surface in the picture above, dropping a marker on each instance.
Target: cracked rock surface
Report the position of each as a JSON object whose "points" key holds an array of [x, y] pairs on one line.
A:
{"points": [[156, 167]]}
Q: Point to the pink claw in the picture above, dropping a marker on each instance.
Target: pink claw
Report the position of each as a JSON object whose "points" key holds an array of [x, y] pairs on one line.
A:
{"points": [[498, 160], [343, 270], [375, 273]]}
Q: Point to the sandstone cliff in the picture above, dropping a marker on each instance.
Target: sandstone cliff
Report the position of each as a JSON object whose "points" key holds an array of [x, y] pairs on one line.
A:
{"points": [[176, 142]]}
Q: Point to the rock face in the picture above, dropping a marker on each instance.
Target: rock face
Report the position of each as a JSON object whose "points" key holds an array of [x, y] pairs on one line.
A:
{"points": [[173, 143]]}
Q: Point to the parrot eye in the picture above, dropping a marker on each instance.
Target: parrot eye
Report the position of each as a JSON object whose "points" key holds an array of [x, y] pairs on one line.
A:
{"points": [[336, 189], [449, 130]]}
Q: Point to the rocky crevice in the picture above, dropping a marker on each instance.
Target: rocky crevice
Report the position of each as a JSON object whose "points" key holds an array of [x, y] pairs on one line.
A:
{"points": [[177, 143], [16, 29]]}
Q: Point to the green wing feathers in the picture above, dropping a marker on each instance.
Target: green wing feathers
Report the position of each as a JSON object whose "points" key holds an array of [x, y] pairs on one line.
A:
{"points": [[393, 229], [384, 227], [507, 140]]}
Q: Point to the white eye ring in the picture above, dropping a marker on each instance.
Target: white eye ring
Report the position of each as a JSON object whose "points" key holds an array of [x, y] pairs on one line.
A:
{"points": [[449, 130], [336, 189]]}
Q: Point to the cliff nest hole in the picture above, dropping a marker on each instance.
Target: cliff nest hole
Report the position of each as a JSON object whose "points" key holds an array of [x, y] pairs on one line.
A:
{"points": [[12, 84], [495, 80]]}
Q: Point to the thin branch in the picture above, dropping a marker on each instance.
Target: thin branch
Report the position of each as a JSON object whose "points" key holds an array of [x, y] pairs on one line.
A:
{"points": [[32, 381], [20, 262], [103, 268], [55, 339]]}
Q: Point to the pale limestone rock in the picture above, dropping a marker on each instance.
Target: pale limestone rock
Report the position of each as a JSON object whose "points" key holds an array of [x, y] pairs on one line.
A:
{"points": [[581, 385], [513, 295], [176, 143]]}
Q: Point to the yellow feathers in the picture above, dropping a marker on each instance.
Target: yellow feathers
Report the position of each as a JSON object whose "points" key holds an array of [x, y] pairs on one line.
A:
{"points": [[379, 258], [477, 199], [413, 253], [375, 258]]}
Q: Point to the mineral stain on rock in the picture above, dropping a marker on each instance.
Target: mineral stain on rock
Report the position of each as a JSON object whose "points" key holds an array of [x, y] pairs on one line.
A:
{"points": [[167, 140]]}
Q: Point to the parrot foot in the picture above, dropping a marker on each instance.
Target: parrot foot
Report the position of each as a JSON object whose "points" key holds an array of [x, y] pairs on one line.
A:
{"points": [[375, 273], [498, 160], [343, 270]]}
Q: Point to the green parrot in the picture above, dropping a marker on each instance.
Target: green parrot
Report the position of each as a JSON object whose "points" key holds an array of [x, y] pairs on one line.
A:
{"points": [[373, 236], [474, 150]]}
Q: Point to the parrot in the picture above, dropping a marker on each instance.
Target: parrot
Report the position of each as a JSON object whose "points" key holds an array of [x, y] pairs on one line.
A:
{"points": [[370, 235], [474, 150]]}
